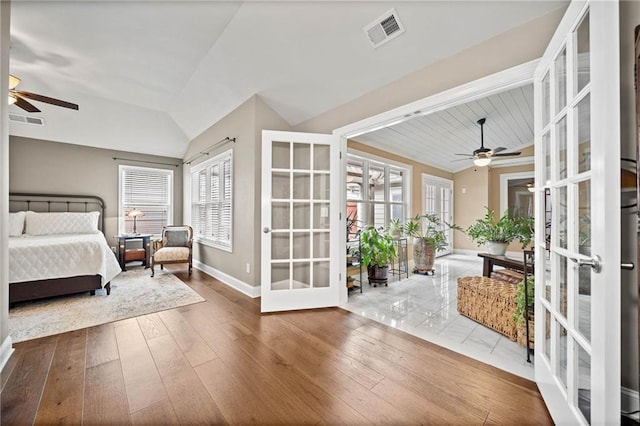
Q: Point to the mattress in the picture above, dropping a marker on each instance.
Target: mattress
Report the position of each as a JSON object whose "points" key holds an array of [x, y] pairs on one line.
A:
{"points": [[44, 257]]}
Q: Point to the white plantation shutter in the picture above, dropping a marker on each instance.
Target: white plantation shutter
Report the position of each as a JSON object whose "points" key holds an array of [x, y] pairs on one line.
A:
{"points": [[149, 190], [212, 204]]}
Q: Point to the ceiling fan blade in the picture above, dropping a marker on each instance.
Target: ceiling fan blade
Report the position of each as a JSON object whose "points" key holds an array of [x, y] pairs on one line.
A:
{"points": [[25, 105], [507, 154], [498, 149], [47, 100], [466, 155], [462, 159]]}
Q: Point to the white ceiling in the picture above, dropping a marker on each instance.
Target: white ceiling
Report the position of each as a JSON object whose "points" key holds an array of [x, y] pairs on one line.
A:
{"points": [[149, 76], [435, 139]]}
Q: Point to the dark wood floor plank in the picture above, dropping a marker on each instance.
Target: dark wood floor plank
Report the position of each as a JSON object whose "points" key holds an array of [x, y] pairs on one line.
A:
{"points": [[63, 392], [159, 413], [152, 326], [190, 400], [105, 396], [193, 346], [101, 345], [141, 378], [21, 395]]}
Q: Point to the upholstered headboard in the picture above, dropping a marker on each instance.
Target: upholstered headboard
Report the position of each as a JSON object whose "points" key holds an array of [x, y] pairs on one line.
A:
{"points": [[46, 203]]}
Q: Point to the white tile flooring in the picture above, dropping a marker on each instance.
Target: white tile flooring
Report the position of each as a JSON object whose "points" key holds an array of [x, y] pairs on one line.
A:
{"points": [[425, 306]]}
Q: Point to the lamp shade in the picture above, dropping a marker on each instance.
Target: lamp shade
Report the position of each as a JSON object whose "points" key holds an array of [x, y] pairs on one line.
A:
{"points": [[482, 161], [135, 213]]}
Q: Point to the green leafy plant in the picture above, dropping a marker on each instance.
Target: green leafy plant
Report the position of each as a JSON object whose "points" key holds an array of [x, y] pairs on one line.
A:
{"points": [[521, 302], [376, 247], [396, 227], [505, 229], [430, 228]]}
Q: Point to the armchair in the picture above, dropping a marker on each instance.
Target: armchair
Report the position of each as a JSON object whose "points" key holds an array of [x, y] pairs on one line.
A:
{"points": [[175, 247]]}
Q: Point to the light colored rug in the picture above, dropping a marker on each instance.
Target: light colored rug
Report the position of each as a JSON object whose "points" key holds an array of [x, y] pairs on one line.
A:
{"points": [[133, 293]]}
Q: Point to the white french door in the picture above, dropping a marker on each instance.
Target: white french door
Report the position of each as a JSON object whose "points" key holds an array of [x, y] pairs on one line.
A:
{"points": [[577, 128], [300, 221], [437, 196]]}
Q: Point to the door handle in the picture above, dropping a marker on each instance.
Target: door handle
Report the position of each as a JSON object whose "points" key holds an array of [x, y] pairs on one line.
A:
{"points": [[628, 266], [266, 229], [595, 262]]}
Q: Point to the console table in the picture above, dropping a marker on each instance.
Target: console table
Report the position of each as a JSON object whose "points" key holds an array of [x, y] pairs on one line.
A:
{"points": [[490, 260]]}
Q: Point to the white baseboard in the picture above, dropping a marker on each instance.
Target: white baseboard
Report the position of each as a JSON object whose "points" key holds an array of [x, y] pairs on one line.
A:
{"points": [[6, 349], [227, 279], [630, 402]]}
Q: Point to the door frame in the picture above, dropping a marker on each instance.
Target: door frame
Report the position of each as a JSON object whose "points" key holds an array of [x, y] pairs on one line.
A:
{"points": [[449, 183]]}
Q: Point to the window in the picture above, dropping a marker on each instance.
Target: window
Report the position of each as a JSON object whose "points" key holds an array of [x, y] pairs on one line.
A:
{"points": [[382, 199], [212, 204], [150, 191]]}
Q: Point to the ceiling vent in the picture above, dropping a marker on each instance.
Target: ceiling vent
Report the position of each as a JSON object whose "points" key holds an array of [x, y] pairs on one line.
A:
{"points": [[38, 121], [385, 28]]}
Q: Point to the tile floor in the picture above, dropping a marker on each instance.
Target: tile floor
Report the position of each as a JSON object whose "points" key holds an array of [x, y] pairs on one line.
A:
{"points": [[425, 306]]}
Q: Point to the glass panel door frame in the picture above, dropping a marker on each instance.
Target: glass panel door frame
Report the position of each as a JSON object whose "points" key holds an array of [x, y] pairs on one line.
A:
{"points": [[443, 199]]}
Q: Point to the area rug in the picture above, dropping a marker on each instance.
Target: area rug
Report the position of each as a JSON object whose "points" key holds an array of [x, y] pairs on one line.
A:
{"points": [[133, 293]]}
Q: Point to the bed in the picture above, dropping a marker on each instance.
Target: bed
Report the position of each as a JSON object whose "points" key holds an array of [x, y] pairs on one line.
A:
{"points": [[56, 246]]}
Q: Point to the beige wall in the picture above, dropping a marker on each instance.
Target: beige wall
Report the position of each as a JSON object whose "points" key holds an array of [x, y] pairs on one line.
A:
{"points": [[245, 124], [53, 167], [471, 194]]}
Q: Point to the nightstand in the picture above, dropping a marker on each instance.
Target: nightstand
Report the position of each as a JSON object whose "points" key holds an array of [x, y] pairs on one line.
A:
{"points": [[131, 254]]}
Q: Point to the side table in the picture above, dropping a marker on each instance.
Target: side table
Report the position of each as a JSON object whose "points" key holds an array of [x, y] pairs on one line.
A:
{"points": [[123, 252]]}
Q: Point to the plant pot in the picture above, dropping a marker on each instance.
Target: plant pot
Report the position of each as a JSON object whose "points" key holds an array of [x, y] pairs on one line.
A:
{"points": [[424, 254], [496, 248], [378, 274]]}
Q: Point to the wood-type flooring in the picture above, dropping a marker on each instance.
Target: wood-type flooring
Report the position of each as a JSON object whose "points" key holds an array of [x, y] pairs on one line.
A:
{"points": [[222, 362]]}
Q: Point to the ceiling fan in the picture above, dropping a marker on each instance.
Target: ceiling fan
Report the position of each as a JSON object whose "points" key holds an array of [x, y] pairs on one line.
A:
{"points": [[482, 156], [17, 97]]}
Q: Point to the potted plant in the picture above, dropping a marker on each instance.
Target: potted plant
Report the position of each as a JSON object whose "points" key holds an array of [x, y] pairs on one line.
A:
{"points": [[377, 250], [429, 237], [396, 228], [497, 234]]}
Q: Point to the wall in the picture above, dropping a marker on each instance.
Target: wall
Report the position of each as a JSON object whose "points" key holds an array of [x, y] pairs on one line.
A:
{"points": [[471, 193], [53, 167], [629, 19]]}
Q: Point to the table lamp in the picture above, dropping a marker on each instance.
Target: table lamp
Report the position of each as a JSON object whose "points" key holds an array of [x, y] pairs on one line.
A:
{"points": [[135, 214]]}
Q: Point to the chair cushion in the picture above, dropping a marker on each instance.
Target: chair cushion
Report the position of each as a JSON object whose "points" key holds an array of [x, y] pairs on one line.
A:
{"points": [[176, 238], [168, 254]]}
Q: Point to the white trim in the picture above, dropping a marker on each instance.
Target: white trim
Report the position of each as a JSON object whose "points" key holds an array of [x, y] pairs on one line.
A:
{"points": [[519, 161], [630, 402], [517, 76], [228, 280], [6, 349], [504, 186]]}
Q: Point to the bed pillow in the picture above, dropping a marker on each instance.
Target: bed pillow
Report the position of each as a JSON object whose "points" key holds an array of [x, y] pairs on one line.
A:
{"points": [[61, 223], [16, 224]]}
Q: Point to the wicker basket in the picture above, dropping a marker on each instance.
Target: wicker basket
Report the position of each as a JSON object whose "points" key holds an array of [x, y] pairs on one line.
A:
{"points": [[490, 302], [522, 332]]}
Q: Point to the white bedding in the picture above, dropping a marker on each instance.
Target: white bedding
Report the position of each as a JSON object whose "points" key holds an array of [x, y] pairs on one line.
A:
{"points": [[45, 257]]}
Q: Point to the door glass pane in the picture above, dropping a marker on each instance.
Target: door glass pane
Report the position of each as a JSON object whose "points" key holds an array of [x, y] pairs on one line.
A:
{"points": [[321, 245], [376, 183], [562, 216], [301, 186], [547, 275], [561, 138], [321, 274], [280, 245], [583, 314], [301, 275], [321, 186], [301, 245], [547, 335], [301, 216], [301, 156], [376, 213], [560, 68], [562, 284], [321, 216], [584, 383], [280, 276], [546, 96], [561, 355], [395, 185], [280, 215], [583, 59], [321, 155], [280, 155], [546, 146], [584, 218], [584, 135], [354, 180], [280, 185]]}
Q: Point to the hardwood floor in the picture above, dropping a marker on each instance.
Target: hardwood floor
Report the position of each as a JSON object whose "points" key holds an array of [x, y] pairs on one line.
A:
{"points": [[221, 361]]}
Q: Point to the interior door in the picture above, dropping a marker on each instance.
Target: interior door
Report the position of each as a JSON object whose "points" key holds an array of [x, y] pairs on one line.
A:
{"points": [[577, 128], [300, 221], [437, 195]]}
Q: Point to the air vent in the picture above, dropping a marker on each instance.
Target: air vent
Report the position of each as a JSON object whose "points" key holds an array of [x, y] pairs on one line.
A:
{"points": [[385, 28], [38, 121]]}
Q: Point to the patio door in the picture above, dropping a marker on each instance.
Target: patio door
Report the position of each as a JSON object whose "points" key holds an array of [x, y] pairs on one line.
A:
{"points": [[577, 280], [300, 221], [437, 195]]}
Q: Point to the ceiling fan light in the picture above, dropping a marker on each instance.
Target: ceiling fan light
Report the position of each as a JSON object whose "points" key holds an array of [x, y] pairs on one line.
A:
{"points": [[12, 99], [531, 187], [482, 161], [13, 82]]}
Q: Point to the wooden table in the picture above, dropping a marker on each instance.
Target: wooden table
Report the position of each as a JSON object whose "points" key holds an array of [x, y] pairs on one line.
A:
{"points": [[122, 248], [491, 260]]}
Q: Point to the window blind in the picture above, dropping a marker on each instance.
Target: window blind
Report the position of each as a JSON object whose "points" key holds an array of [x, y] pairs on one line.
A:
{"points": [[148, 190]]}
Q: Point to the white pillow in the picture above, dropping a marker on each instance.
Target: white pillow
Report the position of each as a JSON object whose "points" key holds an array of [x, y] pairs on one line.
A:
{"points": [[16, 224], [61, 223]]}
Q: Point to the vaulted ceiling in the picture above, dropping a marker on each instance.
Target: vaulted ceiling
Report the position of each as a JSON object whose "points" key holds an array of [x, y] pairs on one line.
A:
{"points": [[149, 76]]}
